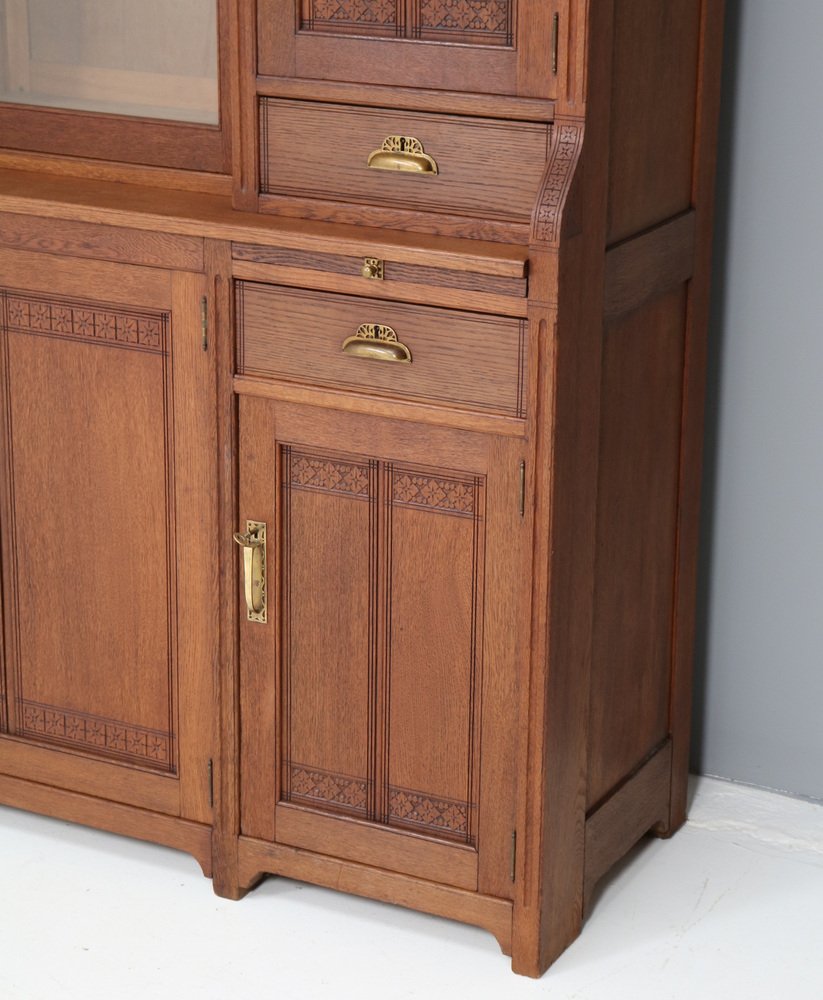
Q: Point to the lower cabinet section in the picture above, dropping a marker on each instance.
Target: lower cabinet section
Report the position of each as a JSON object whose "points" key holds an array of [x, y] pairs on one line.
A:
{"points": [[378, 696], [107, 543]]}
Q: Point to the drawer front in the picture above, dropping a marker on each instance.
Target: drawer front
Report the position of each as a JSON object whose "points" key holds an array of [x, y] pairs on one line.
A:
{"points": [[460, 359], [483, 168]]}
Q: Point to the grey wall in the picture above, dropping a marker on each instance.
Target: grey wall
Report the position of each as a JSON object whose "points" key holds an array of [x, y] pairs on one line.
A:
{"points": [[759, 685]]}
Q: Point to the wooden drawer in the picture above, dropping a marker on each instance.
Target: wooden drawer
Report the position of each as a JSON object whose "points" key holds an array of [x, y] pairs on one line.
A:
{"points": [[491, 169], [461, 359]]}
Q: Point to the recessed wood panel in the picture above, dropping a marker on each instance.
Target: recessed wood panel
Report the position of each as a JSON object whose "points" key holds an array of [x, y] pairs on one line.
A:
{"points": [[89, 460], [328, 644], [654, 87], [636, 539], [435, 628], [486, 168], [380, 650]]}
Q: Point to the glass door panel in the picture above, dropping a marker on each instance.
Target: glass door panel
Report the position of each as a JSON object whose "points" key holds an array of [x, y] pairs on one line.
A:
{"points": [[144, 58]]}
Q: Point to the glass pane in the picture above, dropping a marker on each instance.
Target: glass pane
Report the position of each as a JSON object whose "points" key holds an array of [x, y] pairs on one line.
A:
{"points": [[152, 58]]}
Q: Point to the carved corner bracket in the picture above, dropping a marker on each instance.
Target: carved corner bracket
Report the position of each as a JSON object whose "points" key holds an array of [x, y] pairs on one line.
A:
{"points": [[557, 180]]}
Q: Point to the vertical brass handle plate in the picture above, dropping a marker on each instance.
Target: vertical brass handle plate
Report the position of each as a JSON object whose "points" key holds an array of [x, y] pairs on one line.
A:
{"points": [[404, 153], [253, 544]]}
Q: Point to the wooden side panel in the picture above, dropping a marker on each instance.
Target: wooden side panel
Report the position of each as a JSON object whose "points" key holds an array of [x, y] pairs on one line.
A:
{"points": [[328, 648], [435, 639], [90, 459], [636, 539], [654, 86]]}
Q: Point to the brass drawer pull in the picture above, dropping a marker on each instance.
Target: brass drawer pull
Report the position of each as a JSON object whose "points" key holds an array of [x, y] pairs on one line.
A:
{"points": [[403, 152], [377, 342], [253, 544]]}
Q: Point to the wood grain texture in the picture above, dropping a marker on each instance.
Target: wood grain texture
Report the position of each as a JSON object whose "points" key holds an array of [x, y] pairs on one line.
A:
{"points": [[182, 835], [195, 214], [488, 912], [394, 273], [486, 168], [454, 46], [641, 400], [649, 265], [635, 808], [694, 389], [468, 360], [408, 98], [116, 243], [654, 88], [374, 714]]}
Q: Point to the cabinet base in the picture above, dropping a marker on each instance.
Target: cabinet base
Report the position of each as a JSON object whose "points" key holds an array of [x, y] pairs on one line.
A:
{"points": [[113, 817]]}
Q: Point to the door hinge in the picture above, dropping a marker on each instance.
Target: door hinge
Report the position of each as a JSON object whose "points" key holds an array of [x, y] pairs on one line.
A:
{"points": [[555, 34], [204, 322], [514, 855], [211, 782], [522, 501]]}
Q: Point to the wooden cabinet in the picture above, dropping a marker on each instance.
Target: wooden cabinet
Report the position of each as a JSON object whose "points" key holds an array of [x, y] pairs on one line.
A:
{"points": [[107, 535], [377, 697], [351, 397]]}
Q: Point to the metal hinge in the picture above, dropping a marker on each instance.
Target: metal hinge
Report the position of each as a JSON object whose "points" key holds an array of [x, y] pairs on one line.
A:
{"points": [[522, 506], [211, 782], [555, 34], [204, 322], [514, 855]]}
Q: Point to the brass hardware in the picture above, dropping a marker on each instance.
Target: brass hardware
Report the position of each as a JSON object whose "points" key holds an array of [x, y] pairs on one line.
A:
{"points": [[253, 544], [403, 152], [555, 34], [204, 322], [522, 489], [513, 855], [372, 268], [377, 342]]}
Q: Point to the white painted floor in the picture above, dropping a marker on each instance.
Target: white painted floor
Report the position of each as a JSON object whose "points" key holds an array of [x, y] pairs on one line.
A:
{"points": [[732, 907]]}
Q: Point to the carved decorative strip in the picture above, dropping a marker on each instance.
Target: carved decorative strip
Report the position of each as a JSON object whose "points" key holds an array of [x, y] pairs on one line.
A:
{"points": [[467, 17], [328, 787], [421, 810], [556, 183], [453, 496], [76, 729], [354, 16], [328, 475], [86, 321]]}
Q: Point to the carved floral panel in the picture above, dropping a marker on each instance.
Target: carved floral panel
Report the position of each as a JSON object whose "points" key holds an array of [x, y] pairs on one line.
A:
{"points": [[475, 22]]}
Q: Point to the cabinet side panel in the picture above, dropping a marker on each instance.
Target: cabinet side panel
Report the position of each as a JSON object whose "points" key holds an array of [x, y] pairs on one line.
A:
{"points": [[637, 497], [654, 83]]}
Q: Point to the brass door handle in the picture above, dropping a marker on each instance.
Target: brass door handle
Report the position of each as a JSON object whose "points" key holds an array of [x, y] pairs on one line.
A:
{"points": [[253, 544], [403, 152], [377, 342]]}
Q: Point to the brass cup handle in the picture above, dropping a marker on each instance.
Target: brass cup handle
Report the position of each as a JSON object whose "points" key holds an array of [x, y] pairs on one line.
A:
{"points": [[378, 343], [253, 543], [404, 153]]}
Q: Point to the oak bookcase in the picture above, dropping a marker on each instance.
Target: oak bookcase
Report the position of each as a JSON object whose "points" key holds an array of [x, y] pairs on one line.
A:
{"points": [[351, 390]]}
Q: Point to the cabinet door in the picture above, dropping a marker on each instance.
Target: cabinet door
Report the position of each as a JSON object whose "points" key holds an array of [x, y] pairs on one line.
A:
{"points": [[107, 531], [480, 46], [379, 704]]}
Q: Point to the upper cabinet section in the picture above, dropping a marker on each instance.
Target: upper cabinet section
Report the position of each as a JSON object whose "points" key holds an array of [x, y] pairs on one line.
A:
{"points": [[481, 46], [122, 81], [153, 59]]}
